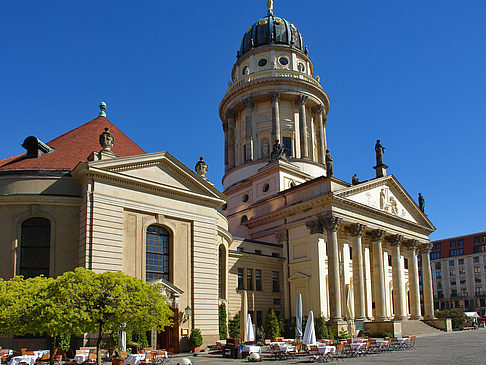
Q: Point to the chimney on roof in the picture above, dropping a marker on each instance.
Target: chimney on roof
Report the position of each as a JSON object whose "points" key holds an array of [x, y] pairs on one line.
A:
{"points": [[35, 148]]}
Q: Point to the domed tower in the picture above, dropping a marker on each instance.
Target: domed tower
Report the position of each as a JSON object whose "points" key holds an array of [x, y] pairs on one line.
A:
{"points": [[273, 96]]}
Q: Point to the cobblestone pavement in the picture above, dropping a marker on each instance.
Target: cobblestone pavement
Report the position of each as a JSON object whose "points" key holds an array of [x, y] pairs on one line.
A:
{"points": [[466, 347]]}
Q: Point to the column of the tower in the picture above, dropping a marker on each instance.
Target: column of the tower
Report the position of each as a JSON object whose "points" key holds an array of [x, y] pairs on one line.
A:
{"points": [[275, 98], [249, 103], [304, 140]]}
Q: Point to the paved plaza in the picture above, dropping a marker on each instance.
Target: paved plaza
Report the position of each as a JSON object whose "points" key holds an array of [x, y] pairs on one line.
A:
{"points": [[467, 347]]}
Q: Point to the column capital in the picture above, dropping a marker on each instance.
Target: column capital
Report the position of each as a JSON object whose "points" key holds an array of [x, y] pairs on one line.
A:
{"points": [[425, 248], [230, 114], [315, 226], [377, 235], [394, 240], [319, 109], [411, 244], [281, 236], [356, 229], [275, 96], [302, 99], [330, 222], [249, 102]]}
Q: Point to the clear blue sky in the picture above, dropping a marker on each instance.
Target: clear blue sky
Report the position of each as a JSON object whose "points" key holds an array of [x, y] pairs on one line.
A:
{"points": [[412, 73]]}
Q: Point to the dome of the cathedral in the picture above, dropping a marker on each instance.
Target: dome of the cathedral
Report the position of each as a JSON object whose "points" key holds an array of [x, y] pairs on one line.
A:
{"points": [[271, 30]]}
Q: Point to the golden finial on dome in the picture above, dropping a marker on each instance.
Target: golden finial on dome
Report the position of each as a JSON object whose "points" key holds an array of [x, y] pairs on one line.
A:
{"points": [[270, 7]]}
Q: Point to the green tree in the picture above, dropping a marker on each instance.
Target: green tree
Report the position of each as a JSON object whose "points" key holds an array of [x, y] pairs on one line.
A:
{"points": [[234, 326], [320, 327], [101, 302], [459, 319], [35, 306], [223, 327], [195, 338], [272, 325]]}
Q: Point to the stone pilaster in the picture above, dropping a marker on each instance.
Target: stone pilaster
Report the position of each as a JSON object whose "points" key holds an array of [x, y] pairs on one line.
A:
{"points": [[399, 302], [230, 141], [282, 237], [322, 146], [378, 275], [331, 224], [304, 140], [427, 281], [275, 98], [356, 230], [413, 280], [249, 103]]}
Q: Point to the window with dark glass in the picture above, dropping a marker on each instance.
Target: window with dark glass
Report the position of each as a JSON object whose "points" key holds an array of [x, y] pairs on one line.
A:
{"points": [[275, 282], [453, 244], [476, 259], [477, 239], [35, 247], [405, 263], [249, 279], [438, 265], [438, 274], [157, 256], [259, 318], [452, 262], [287, 143], [240, 279], [389, 260], [222, 270], [460, 243], [258, 279], [461, 261]]}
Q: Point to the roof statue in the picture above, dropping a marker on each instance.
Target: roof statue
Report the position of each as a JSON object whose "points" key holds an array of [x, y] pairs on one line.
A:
{"points": [[380, 150], [102, 107], [355, 180], [270, 7], [421, 202], [279, 152], [107, 140], [201, 167], [329, 170]]}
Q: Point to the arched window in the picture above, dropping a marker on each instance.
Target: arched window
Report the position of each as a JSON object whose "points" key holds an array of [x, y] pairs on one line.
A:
{"points": [[35, 247], [157, 259], [222, 273]]}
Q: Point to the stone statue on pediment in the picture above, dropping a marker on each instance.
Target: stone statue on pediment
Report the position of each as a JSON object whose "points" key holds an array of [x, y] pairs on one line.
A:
{"points": [[278, 151], [329, 162], [354, 180], [421, 201], [380, 150], [107, 140], [201, 167]]}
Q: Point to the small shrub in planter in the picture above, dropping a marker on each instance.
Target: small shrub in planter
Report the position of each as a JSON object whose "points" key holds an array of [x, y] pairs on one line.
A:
{"points": [[195, 339]]}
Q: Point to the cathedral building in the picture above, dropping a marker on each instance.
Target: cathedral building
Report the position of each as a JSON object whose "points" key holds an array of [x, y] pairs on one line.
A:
{"points": [[283, 226]]}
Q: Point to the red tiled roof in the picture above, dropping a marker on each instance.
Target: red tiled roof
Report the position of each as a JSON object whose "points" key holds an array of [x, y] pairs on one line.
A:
{"points": [[73, 147]]}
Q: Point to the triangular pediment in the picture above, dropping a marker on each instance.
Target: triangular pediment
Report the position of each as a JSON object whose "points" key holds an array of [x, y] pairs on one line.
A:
{"points": [[388, 196], [160, 171], [299, 276]]}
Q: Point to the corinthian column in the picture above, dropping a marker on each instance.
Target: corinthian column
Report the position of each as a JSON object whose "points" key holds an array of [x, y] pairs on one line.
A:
{"points": [[398, 284], [427, 282], [319, 110], [275, 98], [304, 141], [249, 129], [413, 281], [331, 224], [356, 231], [230, 141], [378, 275]]}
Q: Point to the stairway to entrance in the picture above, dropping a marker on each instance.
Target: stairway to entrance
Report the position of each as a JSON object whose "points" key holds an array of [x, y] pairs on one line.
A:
{"points": [[415, 328]]}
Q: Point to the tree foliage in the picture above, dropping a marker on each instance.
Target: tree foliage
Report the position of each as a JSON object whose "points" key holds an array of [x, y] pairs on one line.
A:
{"points": [[79, 302], [223, 327], [272, 325], [459, 318], [234, 326], [195, 338]]}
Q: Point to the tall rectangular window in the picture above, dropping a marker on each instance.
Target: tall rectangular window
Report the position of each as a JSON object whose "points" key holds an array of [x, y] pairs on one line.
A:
{"points": [[460, 243], [258, 279], [476, 259], [275, 281], [453, 244], [438, 265], [452, 262], [438, 274], [249, 279], [240, 279], [259, 318], [287, 143]]}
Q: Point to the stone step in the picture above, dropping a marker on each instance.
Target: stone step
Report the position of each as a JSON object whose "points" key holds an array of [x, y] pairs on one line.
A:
{"points": [[414, 328]]}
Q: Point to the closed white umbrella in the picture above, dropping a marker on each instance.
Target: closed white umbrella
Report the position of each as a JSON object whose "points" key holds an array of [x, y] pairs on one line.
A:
{"points": [[310, 332], [122, 340], [250, 334], [298, 317]]}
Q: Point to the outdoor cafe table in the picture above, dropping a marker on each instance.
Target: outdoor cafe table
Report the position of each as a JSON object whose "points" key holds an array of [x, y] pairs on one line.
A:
{"points": [[81, 357], [251, 349], [326, 349], [134, 359], [356, 345], [29, 359]]}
